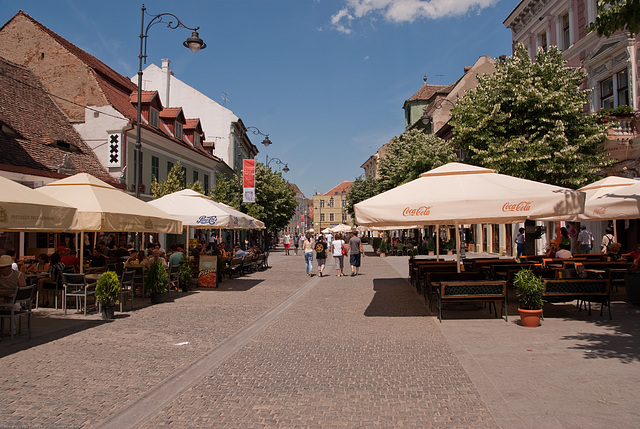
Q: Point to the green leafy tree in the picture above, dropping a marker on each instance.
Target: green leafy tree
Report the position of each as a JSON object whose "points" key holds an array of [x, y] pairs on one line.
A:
{"points": [[175, 182], [526, 120], [614, 15], [410, 155], [360, 191], [275, 199]]}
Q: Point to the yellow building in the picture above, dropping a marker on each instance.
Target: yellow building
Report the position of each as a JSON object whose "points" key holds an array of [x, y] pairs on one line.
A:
{"points": [[329, 209]]}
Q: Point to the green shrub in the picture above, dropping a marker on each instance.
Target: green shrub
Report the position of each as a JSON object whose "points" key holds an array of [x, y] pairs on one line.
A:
{"points": [[108, 289], [530, 289], [157, 279]]}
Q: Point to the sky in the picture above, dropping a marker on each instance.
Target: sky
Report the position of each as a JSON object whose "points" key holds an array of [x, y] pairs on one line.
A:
{"points": [[326, 79]]}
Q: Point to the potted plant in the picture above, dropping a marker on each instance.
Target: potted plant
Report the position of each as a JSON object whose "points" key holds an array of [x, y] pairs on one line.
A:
{"points": [[157, 282], [383, 248], [430, 246], [108, 293], [186, 274], [450, 246], [530, 289]]}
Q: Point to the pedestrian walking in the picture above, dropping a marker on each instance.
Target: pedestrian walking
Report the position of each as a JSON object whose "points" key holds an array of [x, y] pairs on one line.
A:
{"points": [[607, 240], [585, 239], [355, 252], [321, 254], [307, 247], [296, 243], [338, 250], [520, 247], [286, 240]]}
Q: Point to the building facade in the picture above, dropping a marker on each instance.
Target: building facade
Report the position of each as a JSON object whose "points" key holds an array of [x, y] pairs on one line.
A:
{"points": [[300, 221], [330, 208]]}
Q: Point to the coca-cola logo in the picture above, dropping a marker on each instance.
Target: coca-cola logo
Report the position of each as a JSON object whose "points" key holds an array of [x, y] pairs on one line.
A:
{"points": [[599, 211], [420, 211], [522, 206]]}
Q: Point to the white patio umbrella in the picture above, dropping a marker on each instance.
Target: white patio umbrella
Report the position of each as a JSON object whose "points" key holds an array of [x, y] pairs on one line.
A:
{"points": [[611, 198], [458, 193], [342, 228], [22, 208], [101, 207]]}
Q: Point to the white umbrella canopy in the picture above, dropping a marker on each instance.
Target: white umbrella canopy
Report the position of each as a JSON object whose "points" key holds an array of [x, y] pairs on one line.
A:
{"points": [[244, 220], [22, 208], [458, 193], [611, 198], [101, 207], [342, 228]]}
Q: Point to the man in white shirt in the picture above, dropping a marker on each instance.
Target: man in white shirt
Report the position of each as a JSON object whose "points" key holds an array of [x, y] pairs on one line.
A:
{"points": [[585, 238], [286, 240]]}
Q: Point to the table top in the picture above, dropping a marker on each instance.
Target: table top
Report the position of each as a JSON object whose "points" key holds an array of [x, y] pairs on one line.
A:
{"points": [[92, 276]]}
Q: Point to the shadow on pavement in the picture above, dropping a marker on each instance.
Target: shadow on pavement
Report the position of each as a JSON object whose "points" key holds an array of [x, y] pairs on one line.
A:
{"points": [[395, 298], [234, 285]]}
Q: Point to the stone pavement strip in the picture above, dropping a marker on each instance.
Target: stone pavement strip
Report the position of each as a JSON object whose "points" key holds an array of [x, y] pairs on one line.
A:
{"points": [[279, 349]]}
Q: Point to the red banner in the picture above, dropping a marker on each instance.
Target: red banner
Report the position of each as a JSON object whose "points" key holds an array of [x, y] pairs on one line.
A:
{"points": [[249, 181]]}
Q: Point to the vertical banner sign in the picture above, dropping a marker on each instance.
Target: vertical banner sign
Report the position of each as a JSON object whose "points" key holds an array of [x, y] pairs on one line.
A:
{"points": [[249, 179]]}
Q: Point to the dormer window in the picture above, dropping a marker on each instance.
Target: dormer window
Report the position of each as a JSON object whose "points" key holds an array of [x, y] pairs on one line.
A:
{"points": [[153, 117], [196, 140], [178, 132]]}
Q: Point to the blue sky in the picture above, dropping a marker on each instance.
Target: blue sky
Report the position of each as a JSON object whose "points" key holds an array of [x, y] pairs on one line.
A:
{"points": [[326, 79]]}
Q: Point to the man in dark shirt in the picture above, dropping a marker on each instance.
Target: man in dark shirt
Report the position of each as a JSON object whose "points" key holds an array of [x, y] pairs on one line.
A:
{"points": [[355, 251], [97, 261]]}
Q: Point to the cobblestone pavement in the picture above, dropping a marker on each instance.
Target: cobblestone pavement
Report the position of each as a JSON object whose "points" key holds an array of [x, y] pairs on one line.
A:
{"points": [[269, 349], [279, 349]]}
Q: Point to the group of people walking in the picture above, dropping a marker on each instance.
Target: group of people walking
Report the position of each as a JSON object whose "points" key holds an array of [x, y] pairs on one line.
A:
{"points": [[335, 245]]}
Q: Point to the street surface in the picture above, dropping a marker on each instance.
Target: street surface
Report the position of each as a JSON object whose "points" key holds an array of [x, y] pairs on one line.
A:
{"points": [[278, 349]]}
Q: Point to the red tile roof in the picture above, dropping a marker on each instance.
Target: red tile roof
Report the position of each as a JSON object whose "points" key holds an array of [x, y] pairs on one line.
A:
{"points": [[38, 135], [341, 188]]}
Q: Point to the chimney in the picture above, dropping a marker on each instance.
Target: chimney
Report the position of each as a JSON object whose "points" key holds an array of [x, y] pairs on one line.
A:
{"points": [[167, 76]]}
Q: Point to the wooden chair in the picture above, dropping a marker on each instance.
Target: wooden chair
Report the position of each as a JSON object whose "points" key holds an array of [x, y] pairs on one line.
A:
{"points": [[20, 306]]}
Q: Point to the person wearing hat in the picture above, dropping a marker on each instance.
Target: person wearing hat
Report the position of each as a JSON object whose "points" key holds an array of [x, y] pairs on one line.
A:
{"points": [[10, 279]]}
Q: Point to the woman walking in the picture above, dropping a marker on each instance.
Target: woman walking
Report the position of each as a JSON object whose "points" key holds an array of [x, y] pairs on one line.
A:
{"points": [[338, 253], [321, 254], [307, 247]]}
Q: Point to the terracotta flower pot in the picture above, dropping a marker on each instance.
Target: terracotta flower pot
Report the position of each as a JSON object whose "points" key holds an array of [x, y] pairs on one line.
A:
{"points": [[530, 318]]}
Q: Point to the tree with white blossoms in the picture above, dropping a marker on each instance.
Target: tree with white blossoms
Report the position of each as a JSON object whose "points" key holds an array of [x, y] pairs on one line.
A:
{"points": [[411, 154], [527, 120]]}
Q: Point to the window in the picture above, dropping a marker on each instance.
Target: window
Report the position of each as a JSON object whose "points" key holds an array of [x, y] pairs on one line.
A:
{"points": [[331, 202], [206, 184], [614, 91], [195, 176], [155, 168], [321, 217], [321, 203], [169, 167], [331, 217], [153, 117], [178, 132], [344, 218], [542, 40], [566, 33], [196, 140]]}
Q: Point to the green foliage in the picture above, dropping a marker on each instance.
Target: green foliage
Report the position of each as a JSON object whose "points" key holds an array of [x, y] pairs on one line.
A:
{"points": [[530, 289], [410, 155], [614, 15], [430, 245], [175, 182], [157, 279], [375, 243], [186, 274], [526, 120], [383, 246], [108, 289], [620, 111], [360, 191], [275, 199], [450, 245]]}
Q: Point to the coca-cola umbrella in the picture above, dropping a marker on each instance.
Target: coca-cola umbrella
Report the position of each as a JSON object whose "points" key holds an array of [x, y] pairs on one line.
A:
{"points": [[457, 193]]}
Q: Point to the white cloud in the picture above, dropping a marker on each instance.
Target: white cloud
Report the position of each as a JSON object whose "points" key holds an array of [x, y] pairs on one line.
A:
{"points": [[399, 11]]}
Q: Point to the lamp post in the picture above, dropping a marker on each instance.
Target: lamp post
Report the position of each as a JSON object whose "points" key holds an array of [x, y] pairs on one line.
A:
{"points": [[426, 118], [194, 43], [277, 161], [266, 142]]}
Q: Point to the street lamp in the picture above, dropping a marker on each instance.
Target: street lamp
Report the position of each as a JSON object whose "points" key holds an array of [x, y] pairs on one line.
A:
{"points": [[266, 142], [194, 43], [277, 161], [426, 118]]}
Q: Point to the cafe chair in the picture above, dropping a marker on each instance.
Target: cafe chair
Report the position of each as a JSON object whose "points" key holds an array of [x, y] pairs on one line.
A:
{"points": [[56, 286], [20, 306], [75, 285], [174, 277], [127, 287]]}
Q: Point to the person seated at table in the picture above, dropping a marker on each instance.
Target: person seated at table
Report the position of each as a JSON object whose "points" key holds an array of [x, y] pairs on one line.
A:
{"points": [[613, 255], [564, 252], [10, 280], [256, 250], [633, 255], [551, 250], [55, 267], [12, 254], [238, 252], [41, 265], [68, 258], [97, 261], [155, 256], [133, 259], [121, 252], [176, 257], [144, 260]]}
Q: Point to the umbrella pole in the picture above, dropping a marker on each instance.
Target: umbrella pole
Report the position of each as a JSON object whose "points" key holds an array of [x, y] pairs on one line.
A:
{"points": [[82, 253], [187, 243], [457, 246], [437, 242], [615, 231]]}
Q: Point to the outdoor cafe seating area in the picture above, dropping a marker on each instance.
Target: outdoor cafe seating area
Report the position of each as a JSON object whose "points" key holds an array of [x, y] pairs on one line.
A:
{"points": [[583, 279]]}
